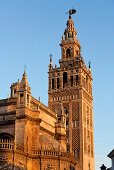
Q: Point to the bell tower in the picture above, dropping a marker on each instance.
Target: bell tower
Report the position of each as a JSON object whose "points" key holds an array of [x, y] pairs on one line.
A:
{"points": [[71, 85]]}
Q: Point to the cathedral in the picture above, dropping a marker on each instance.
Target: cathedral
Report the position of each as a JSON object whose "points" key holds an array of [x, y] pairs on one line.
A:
{"points": [[59, 136]]}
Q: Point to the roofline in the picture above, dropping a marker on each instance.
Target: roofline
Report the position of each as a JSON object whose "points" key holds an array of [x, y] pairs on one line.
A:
{"points": [[111, 154]]}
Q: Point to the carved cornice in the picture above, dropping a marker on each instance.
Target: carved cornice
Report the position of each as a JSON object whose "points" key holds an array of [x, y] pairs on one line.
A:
{"points": [[7, 122], [64, 90], [47, 131], [37, 120], [8, 113], [10, 101]]}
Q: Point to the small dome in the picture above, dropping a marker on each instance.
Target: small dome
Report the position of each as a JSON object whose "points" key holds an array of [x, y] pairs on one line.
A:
{"points": [[49, 143]]}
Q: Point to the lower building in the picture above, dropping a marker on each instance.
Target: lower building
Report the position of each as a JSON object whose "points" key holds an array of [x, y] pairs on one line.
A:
{"points": [[111, 156], [31, 135]]}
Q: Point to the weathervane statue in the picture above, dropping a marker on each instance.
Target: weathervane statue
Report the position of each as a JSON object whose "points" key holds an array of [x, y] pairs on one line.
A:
{"points": [[71, 11]]}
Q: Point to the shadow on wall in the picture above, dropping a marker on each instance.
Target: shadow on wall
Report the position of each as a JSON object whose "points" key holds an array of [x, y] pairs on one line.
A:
{"points": [[6, 166]]}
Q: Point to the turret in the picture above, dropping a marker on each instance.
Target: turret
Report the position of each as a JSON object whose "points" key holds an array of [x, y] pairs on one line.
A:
{"points": [[60, 128], [27, 119], [50, 65], [70, 46], [13, 88], [23, 92], [70, 32]]}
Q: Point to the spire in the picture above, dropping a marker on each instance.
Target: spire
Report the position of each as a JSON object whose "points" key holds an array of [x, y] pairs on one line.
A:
{"points": [[70, 31], [24, 80], [24, 83], [70, 45], [50, 59], [50, 65]]}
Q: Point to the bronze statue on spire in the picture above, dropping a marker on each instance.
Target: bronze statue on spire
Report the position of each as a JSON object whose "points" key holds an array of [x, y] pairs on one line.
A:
{"points": [[71, 11]]}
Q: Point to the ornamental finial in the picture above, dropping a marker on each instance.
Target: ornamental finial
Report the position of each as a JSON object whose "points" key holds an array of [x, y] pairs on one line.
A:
{"points": [[89, 65], [50, 59]]}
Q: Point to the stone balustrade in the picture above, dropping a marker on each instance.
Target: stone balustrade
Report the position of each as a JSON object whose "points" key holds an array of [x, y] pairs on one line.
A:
{"points": [[34, 152]]}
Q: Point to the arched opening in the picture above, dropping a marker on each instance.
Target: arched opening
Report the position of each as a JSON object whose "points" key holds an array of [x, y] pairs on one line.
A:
{"points": [[67, 123], [57, 83], [53, 83], [78, 153], [21, 98], [28, 98], [6, 141], [71, 80], [68, 53], [68, 148], [14, 92], [76, 80], [70, 35], [6, 138], [64, 79], [66, 111]]}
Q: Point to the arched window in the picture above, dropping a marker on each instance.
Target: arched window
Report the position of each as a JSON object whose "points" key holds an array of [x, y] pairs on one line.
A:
{"points": [[64, 79], [70, 35], [67, 123], [71, 80], [21, 98], [4, 137], [78, 153], [76, 80], [68, 147], [57, 83], [74, 153], [53, 84], [27, 98], [66, 111], [15, 92], [68, 53]]}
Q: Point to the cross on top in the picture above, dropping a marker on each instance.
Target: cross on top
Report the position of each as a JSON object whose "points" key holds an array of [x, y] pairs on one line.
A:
{"points": [[50, 55], [25, 67]]}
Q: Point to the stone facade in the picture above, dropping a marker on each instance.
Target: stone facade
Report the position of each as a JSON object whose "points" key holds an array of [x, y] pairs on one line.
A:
{"points": [[60, 136]]}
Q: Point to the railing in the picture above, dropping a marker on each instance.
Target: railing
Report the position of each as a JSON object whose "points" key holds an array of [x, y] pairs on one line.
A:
{"points": [[6, 145], [35, 152], [44, 152], [8, 101]]}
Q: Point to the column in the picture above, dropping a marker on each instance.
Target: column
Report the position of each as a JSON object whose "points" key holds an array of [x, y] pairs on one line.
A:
{"points": [[55, 83], [70, 125], [74, 80], [68, 81], [50, 83], [61, 80]]}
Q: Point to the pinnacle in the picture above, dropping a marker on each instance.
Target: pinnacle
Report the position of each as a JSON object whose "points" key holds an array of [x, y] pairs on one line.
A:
{"points": [[24, 81]]}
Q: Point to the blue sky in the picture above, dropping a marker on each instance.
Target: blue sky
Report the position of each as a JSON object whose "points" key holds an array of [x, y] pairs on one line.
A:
{"points": [[31, 29]]}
